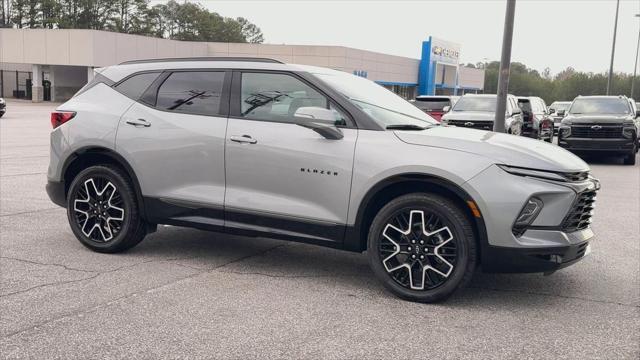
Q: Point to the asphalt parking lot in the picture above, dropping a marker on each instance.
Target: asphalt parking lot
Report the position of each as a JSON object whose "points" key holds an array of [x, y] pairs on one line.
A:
{"points": [[188, 293]]}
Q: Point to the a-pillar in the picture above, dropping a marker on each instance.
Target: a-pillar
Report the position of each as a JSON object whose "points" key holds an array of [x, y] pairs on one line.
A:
{"points": [[37, 91]]}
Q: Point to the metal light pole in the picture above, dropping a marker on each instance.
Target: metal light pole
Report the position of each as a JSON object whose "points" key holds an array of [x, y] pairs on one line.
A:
{"points": [[613, 48], [505, 66], [635, 64]]}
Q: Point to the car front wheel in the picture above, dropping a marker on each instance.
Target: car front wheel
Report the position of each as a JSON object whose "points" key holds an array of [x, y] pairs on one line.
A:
{"points": [[102, 210], [422, 247], [630, 159]]}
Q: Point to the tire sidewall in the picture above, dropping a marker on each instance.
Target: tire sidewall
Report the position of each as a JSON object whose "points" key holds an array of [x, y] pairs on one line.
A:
{"points": [[130, 215], [454, 218]]}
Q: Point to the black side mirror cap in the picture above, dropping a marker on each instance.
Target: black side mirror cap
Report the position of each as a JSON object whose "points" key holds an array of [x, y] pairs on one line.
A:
{"points": [[326, 130]]}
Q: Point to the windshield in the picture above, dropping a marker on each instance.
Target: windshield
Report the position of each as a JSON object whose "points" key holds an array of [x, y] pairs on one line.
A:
{"points": [[476, 103], [600, 106], [559, 106], [385, 107]]}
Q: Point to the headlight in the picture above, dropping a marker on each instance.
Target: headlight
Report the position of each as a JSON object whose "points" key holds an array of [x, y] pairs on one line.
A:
{"points": [[565, 131], [528, 213], [628, 131], [542, 174]]}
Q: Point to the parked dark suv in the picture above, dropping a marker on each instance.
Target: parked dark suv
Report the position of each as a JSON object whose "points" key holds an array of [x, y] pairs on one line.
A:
{"points": [[601, 124]]}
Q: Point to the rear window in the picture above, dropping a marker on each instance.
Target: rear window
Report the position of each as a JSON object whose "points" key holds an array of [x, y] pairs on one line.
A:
{"points": [[192, 92], [431, 104], [600, 106], [524, 104], [134, 86], [476, 103]]}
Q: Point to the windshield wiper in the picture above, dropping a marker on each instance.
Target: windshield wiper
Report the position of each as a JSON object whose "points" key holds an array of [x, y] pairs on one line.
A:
{"points": [[406, 127]]}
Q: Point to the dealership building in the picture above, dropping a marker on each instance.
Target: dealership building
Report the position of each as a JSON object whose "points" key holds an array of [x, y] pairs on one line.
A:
{"points": [[52, 64]]}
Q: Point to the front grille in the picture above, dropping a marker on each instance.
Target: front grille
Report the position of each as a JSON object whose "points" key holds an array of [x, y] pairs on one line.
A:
{"points": [[579, 216], [483, 125], [597, 131]]}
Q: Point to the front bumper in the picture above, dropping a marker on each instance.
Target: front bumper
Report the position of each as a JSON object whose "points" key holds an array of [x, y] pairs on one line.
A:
{"points": [[56, 192], [548, 243], [549, 259], [620, 145]]}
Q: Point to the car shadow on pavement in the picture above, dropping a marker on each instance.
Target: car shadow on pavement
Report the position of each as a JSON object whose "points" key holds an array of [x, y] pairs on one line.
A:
{"points": [[257, 257]]}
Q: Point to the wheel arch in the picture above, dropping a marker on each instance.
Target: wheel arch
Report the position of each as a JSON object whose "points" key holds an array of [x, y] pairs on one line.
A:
{"points": [[401, 184], [96, 155]]}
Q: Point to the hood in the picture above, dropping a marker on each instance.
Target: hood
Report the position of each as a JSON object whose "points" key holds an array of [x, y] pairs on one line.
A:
{"points": [[596, 119], [469, 115], [502, 148]]}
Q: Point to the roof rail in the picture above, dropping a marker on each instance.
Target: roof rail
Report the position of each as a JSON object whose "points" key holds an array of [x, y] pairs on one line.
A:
{"points": [[205, 58]]}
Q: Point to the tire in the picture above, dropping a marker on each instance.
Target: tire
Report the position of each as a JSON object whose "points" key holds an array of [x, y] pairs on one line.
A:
{"points": [[630, 159], [445, 265], [120, 226]]}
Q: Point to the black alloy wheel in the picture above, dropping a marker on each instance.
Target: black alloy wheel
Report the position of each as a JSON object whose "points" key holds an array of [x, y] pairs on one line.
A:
{"points": [[422, 247]]}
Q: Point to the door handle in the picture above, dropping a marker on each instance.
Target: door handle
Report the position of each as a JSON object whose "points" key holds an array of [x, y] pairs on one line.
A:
{"points": [[138, 122], [244, 139]]}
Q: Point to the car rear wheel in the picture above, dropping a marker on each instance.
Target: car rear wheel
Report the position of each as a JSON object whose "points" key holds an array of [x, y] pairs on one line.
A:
{"points": [[422, 247], [103, 211]]}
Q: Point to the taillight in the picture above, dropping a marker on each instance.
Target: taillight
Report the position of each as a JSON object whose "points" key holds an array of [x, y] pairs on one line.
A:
{"points": [[60, 117]]}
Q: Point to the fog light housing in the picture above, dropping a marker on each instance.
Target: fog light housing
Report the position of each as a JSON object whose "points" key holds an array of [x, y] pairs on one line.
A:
{"points": [[527, 215]]}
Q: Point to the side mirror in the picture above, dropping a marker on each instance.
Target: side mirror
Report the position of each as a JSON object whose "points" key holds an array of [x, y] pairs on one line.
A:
{"points": [[561, 112], [551, 111], [446, 109], [320, 120]]}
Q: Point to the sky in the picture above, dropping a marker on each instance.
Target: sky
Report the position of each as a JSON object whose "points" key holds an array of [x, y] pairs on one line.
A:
{"points": [[547, 33]]}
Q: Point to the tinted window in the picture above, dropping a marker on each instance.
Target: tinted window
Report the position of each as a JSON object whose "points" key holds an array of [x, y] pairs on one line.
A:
{"points": [[193, 92], [600, 106], [135, 86], [476, 103], [277, 97], [524, 104]]}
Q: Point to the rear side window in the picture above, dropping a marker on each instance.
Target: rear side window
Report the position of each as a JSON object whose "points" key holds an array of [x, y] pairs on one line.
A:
{"points": [[135, 86], [192, 92]]}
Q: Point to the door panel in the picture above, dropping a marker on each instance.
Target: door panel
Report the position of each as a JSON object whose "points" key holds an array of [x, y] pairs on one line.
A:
{"points": [[178, 156], [290, 170], [285, 180]]}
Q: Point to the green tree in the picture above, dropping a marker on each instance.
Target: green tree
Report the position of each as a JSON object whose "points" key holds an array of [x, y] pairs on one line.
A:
{"points": [[250, 31]]}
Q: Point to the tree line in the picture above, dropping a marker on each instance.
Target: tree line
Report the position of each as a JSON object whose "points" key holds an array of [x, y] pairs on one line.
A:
{"points": [[171, 20], [564, 86]]}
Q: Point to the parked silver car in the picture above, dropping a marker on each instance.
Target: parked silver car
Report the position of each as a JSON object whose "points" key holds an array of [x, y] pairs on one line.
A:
{"points": [[558, 110], [479, 111], [260, 148]]}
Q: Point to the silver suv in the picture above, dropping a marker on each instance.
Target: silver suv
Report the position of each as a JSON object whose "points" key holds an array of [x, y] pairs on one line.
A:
{"points": [[261, 148], [479, 112]]}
